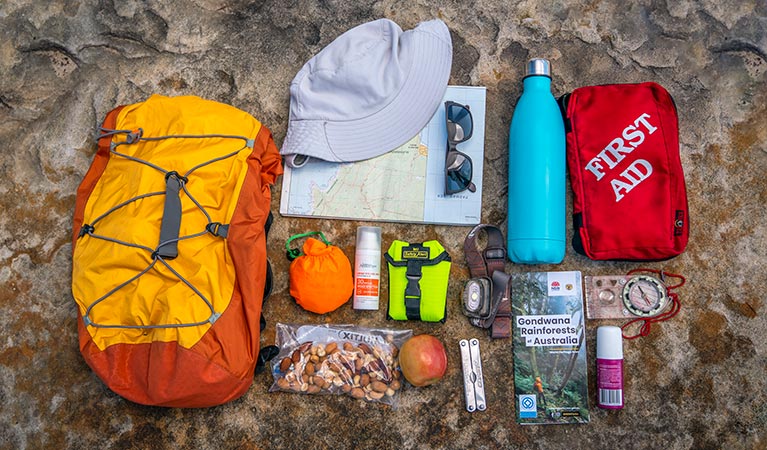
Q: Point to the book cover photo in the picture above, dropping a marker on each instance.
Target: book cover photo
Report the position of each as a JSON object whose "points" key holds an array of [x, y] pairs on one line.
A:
{"points": [[550, 378]]}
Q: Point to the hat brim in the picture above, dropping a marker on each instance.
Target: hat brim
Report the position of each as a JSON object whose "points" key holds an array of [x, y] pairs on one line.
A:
{"points": [[394, 124]]}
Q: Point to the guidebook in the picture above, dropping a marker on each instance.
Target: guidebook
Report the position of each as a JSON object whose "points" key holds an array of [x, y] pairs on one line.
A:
{"points": [[550, 379], [406, 184]]}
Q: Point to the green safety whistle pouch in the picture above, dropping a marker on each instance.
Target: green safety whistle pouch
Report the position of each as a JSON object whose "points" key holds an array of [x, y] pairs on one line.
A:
{"points": [[418, 276]]}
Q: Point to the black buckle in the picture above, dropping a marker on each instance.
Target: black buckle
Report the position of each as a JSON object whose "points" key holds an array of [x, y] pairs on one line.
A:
{"points": [[413, 290], [413, 275]]}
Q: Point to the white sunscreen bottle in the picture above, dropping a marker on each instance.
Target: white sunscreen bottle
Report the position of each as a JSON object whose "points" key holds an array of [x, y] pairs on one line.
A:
{"points": [[367, 268]]}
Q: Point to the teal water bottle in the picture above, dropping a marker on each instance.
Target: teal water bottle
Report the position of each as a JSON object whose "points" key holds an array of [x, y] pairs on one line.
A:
{"points": [[536, 216]]}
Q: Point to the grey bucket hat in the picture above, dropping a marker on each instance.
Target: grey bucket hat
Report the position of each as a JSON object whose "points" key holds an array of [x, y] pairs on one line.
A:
{"points": [[368, 92]]}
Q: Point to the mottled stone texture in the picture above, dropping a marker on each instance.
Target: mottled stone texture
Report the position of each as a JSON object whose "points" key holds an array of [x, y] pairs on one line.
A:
{"points": [[696, 382]]}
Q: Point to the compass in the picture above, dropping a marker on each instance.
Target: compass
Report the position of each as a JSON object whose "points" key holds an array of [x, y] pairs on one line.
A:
{"points": [[644, 295]]}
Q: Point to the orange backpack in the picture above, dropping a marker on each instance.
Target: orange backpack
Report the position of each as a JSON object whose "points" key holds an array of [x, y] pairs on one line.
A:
{"points": [[169, 251]]}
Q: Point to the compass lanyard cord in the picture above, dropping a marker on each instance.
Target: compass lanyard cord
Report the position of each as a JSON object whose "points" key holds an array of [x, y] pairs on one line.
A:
{"points": [[644, 330]]}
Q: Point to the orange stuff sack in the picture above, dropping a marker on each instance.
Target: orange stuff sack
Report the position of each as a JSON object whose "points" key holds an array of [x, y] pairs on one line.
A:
{"points": [[169, 251], [321, 278]]}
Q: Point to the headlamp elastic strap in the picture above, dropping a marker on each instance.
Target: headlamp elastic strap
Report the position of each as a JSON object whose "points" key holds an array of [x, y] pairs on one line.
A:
{"points": [[484, 263]]}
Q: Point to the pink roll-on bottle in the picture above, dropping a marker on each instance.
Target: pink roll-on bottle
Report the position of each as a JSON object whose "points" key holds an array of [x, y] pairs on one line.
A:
{"points": [[609, 367]]}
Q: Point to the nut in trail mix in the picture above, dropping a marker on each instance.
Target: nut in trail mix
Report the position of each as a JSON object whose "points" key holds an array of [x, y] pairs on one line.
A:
{"points": [[339, 359]]}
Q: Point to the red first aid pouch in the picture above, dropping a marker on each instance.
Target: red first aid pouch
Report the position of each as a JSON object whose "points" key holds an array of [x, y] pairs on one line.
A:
{"points": [[629, 197]]}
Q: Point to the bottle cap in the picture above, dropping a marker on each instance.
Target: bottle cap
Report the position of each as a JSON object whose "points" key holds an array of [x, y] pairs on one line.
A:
{"points": [[538, 66], [369, 238], [609, 343]]}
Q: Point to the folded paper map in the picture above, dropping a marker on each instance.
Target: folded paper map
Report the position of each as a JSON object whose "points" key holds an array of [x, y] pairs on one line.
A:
{"points": [[404, 185]]}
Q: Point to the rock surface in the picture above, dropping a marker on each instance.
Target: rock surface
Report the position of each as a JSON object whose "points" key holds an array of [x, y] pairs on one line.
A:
{"points": [[697, 381]]}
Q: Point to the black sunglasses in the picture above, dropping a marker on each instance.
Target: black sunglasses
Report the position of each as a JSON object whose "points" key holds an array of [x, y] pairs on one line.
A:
{"points": [[458, 166]]}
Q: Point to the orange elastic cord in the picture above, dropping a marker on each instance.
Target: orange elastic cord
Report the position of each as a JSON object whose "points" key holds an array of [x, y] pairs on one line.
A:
{"points": [[676, 305]]}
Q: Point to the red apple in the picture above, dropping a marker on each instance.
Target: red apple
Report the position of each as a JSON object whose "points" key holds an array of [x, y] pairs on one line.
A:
{"points": [[423, 360]]}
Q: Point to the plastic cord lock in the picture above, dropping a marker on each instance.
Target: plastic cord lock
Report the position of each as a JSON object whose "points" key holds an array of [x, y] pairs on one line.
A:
{"points": [[217, 229], [134, 136], [85, 229]]}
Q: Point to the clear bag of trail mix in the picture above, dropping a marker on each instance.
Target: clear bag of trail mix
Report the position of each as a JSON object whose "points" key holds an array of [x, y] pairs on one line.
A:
{"points": [[339, 359]]}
